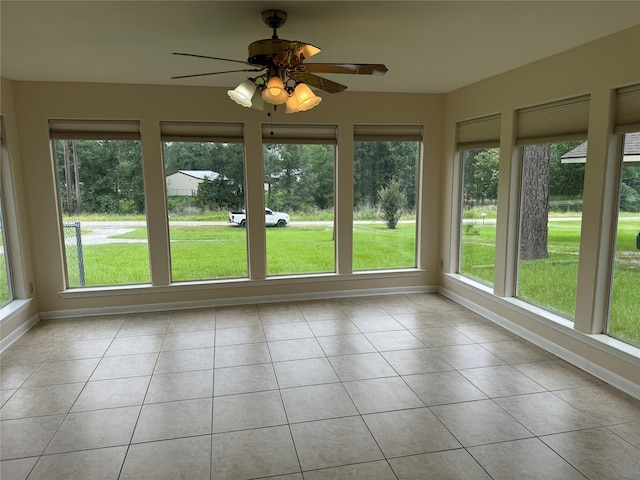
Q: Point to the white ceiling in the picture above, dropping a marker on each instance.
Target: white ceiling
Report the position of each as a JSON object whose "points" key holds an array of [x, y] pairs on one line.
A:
{"points": [[429, 47]]}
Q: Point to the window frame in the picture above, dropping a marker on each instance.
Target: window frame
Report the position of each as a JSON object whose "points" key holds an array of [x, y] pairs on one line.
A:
{"points": [[5, 181], [92, 130], [394, 133], [202, 132], [302, 134]]}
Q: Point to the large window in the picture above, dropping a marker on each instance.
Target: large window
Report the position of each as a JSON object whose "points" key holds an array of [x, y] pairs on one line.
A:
{"points": [[624, 320], [101, 196], [550, 223], [478, 141], [551, 202], [204, 174], [385, 196], [299, 165], [6, 293], [479, 212]]}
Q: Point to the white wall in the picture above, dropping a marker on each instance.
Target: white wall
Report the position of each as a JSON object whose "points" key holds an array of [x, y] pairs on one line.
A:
{"points": [[37, 102], [181, 184], [19, 315], [596, 69]]}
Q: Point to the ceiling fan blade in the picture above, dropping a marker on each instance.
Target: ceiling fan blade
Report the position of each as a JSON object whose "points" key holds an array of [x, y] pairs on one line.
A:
{"points": [[217, 73], [218, 58], [348, 68], [318, 82], [295, 53]]}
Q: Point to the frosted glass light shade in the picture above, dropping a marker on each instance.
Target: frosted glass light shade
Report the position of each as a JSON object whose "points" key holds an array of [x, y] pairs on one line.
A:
{"points": [[275, 94], [305, 97], [292, 105], [257, 102], [242, 93]]}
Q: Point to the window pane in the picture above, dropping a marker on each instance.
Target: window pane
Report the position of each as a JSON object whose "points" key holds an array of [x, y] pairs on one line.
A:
{"points": [[299, 185], [5, 279], [624, 320], [102, 201], [478, 219], [205, 181], [385, 197], [550, 222]]}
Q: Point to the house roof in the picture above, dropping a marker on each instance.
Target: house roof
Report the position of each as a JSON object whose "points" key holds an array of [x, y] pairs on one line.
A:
{"points": [[631, 151], [200, 174], [428, 46]]}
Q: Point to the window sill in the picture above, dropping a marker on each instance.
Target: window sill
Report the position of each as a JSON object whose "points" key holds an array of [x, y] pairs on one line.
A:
{"points": [[602, 342], [146, 289], [13, 308]]}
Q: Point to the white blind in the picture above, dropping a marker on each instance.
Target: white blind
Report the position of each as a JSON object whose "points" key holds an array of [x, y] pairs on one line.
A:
{"points": [[201, 132], [94, 129], [295, 133], [387, 133], [481, 132], [628, 110], [562, 120]]}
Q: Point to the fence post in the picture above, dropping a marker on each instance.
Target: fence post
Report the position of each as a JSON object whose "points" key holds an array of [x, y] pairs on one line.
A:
{"points": [[80, 255]]}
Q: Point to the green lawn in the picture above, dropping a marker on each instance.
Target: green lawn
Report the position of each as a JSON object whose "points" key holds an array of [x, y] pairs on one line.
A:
{"points": [[212, 252], [215, 252], [551, 282]]}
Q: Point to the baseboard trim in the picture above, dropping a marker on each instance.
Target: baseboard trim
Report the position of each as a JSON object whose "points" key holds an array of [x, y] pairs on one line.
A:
{"points": [[18, 332], [157, 307], [585, 364]]}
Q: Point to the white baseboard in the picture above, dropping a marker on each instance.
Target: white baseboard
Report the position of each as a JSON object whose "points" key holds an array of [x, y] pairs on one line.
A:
{"points": [[585, 364], [158, 307], [18, 332]]}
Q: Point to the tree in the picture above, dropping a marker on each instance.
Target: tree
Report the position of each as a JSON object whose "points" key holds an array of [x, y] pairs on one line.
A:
{"points": [[480, 176], [630, 189], [535, 202], [299, 177], [393, 201], [218, 194], [377, 163], [567, 179]]}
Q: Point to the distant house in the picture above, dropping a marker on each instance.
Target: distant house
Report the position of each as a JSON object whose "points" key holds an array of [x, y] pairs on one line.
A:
{"points": [[630, 155], [185, 182]]}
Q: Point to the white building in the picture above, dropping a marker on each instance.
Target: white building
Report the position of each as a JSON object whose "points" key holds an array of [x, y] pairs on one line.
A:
{"points": [[185, 182]]}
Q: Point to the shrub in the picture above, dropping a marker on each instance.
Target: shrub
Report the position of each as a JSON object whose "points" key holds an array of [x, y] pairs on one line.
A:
{"points": [[392, 202]]}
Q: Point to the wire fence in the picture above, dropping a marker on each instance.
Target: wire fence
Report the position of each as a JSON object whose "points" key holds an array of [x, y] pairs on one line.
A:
{"points": [[73, 252]]}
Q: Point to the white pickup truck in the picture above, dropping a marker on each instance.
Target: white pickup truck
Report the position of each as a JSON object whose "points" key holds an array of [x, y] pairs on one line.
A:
{"points": [[271, 218]]}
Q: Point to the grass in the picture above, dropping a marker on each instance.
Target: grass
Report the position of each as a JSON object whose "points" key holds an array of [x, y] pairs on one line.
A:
{"points": [[551, 282], [223, 216], [5, 295], [213, 251], [216, 252]]}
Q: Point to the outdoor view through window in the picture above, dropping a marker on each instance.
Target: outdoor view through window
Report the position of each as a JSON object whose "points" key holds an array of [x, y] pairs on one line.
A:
{"points": [[385, 197], [5, 278], [205, 181], [479, 212], [624, 318], [550, 222], [299, 185], [101, 182]]}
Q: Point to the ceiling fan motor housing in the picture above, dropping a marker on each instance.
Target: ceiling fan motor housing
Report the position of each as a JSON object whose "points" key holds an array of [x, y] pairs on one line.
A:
{"points": [[261, 52]]}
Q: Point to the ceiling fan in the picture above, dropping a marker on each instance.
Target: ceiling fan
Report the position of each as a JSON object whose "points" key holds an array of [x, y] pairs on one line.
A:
{"points": [[285, 78]]}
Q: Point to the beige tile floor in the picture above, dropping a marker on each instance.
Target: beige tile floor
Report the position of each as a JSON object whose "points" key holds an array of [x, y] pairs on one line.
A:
{"points": [[387, 387]]}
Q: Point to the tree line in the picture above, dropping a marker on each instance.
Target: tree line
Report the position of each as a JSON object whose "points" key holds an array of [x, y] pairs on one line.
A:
{"points": [[105, 176]]}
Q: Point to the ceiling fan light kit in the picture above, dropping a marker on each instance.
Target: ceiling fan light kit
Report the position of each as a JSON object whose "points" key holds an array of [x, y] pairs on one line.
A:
{"points": [[287, 79], [275, 93], [243, 93]]}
